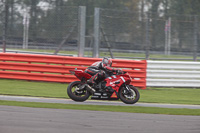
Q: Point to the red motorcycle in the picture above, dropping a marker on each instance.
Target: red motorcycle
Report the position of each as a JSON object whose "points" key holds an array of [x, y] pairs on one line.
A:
{"points": [[113, 87]]}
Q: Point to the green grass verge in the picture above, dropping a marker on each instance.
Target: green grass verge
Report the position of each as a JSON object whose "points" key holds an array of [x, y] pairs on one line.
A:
{"points": [[127, 109], [171, 95], [115, 54], [30, 88], [58, 90]]}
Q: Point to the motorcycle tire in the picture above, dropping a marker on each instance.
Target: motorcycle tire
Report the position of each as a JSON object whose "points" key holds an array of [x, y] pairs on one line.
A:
{"points": [[127, 100], [77, 95]]}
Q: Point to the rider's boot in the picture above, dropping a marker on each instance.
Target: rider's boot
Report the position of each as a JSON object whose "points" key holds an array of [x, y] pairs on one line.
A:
{"points": [[92, 80], [90, 84]]}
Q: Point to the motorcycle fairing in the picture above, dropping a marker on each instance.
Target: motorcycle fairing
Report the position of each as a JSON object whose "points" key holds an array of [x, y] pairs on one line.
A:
{"points": [[80, 74], [116, 81]]}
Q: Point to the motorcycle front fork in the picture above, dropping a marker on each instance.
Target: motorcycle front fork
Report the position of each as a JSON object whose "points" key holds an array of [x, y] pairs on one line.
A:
{"points": [[128, 90]]}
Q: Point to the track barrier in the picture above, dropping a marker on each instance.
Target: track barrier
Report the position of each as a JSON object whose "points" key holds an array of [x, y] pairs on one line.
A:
{"points": [[173, 74], [53, 68]]}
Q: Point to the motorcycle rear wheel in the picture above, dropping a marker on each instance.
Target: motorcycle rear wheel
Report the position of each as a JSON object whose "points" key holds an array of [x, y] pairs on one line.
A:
{"points": [[129, 98], [75, 94]]}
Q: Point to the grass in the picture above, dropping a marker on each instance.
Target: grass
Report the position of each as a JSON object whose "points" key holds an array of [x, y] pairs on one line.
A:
{"points": [[29, 88], [171, 95], [58, 90], [116, 54], [127, 109]]}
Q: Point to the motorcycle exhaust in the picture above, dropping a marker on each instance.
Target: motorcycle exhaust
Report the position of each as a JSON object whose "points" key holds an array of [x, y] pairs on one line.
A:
{"points": [[90, 89]]}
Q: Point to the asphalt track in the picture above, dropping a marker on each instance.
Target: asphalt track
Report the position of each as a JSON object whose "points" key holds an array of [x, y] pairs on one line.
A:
{"points": [[93, 102], [40, 120]]}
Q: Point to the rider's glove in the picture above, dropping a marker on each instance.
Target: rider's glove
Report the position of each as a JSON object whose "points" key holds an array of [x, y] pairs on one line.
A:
{"points": [[118, 71]]}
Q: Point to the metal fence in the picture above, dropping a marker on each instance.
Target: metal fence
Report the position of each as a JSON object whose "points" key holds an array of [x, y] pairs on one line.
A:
{"points": [[118, 34], [42, 27], [149, 35]]}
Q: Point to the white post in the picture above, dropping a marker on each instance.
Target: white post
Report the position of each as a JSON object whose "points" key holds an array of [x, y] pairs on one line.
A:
{"points": [[166, 37], [26, 28], [169, 36], [82, 23], [96, 32]]}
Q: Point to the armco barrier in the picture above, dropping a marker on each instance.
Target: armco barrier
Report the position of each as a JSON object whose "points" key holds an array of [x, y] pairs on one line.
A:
{"points": [[173, 74], [54, 68]]}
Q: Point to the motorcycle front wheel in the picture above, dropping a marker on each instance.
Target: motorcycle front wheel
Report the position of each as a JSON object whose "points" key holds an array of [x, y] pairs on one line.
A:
{"points": [[130, 95], [77, 94]]}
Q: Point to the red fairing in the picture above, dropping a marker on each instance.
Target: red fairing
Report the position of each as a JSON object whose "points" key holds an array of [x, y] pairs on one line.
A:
{"points": [[81, 74], [116, 81]]}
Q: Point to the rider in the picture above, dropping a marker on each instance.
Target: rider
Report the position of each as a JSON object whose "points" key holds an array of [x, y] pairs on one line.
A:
{"points": [[99, 69]]}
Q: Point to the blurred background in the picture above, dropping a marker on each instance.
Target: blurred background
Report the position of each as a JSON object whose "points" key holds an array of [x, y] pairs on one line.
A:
{"points": [[134, 29]]}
